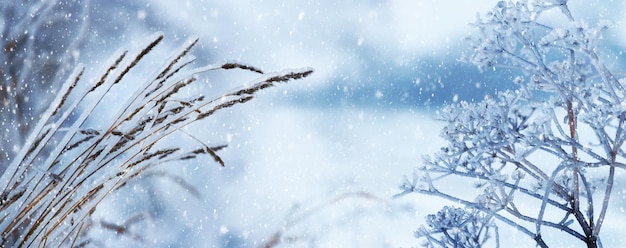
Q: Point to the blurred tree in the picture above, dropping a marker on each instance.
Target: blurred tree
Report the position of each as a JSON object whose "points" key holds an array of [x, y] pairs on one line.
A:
{"points": [[40, 44]]}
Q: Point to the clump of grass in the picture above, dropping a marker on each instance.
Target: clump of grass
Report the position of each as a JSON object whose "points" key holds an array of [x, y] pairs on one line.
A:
{"points": [[66, 167]]}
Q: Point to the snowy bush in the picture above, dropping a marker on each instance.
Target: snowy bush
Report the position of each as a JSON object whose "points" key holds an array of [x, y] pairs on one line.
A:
{"points": [[456, 227], [540, 157], [72, 161]]}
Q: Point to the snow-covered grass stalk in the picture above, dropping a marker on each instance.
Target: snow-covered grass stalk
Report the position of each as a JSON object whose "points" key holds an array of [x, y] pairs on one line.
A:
{"points": [[541, 157], [67, 167]]}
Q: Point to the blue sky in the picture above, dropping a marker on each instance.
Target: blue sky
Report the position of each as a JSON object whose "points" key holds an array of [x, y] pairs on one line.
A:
{"points": [[358, 124]]}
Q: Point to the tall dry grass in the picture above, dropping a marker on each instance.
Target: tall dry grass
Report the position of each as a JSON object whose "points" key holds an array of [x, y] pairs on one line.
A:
{"points": [[67, 166]]}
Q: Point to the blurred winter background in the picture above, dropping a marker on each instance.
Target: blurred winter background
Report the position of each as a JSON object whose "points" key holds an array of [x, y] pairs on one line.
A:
{"points": [[316, 161]]}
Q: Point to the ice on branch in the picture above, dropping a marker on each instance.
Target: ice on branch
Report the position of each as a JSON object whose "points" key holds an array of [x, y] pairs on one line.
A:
{"points": [[553, 145]]}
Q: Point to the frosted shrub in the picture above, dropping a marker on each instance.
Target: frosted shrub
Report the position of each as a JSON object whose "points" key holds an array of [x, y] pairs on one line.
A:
{"points": [[457, 227], [540, 157]]}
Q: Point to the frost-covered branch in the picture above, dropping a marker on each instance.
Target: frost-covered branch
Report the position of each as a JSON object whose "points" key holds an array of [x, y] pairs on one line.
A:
{"points": [[563, 126]]}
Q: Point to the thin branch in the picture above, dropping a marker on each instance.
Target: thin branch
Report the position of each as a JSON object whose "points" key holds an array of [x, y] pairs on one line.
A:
{"points": [[605, 201]]}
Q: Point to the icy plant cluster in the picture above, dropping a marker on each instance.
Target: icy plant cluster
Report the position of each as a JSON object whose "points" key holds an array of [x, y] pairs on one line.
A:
{"points": [[543, 156], [456, 227]]}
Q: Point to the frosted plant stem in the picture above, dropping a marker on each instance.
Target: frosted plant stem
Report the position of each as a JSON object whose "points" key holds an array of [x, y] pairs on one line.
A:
{"points": [[605, 201], [497, 234], [590, 214], [620, 136], [610, 82], [572, 129], [554, 225], [546, 196], [513, 187]]}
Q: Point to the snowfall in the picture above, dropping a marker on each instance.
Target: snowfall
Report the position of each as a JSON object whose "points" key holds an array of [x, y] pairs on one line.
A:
{"points": [[317, 160]]}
